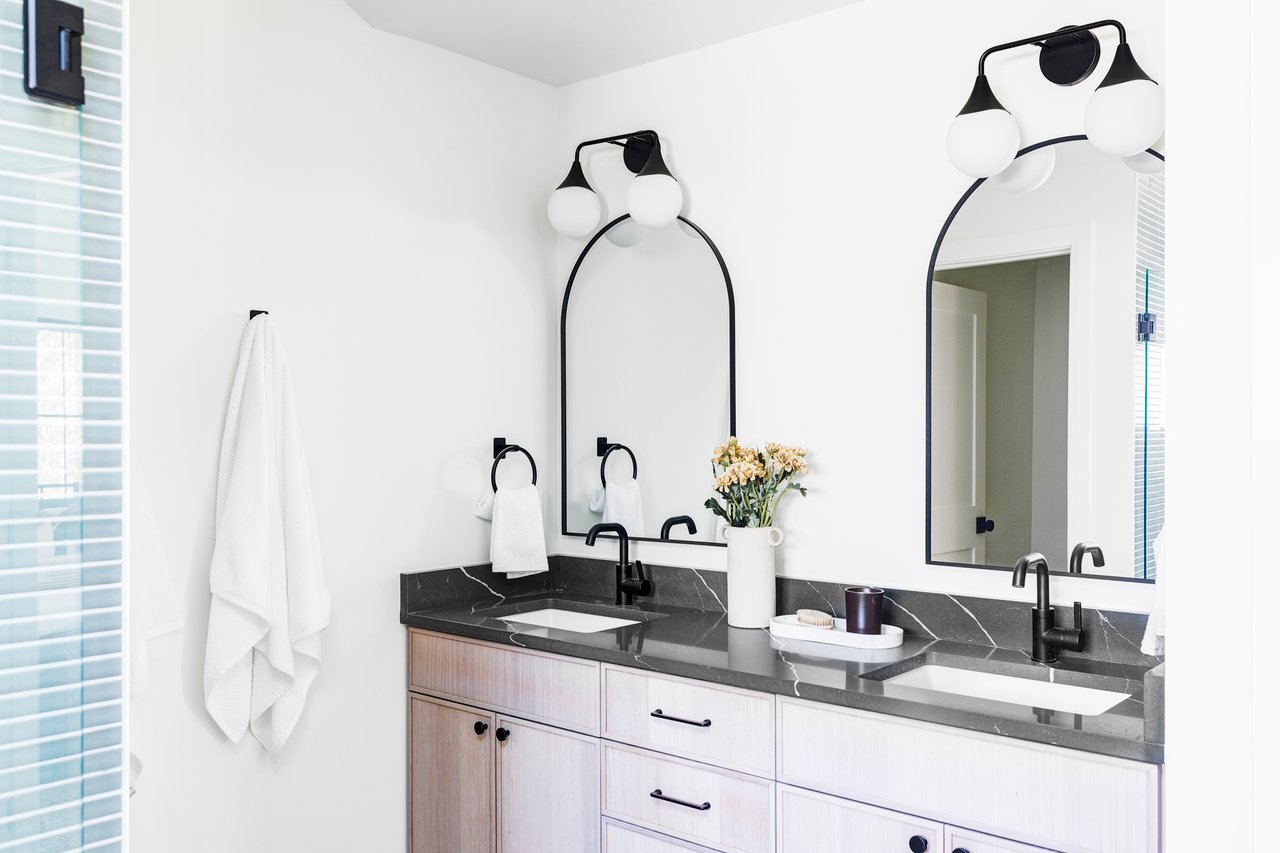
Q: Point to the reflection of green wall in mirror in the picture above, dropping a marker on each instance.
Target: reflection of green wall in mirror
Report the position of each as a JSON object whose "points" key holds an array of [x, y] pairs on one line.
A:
{"points": [[1027, 325]]}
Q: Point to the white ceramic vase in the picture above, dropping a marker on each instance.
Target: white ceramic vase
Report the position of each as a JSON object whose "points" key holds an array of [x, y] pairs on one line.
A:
{"points": [[752, 584]]}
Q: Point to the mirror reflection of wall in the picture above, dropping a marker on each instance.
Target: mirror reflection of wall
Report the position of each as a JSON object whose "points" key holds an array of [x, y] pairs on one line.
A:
{"points": [[647, 367], [1036, 363]]}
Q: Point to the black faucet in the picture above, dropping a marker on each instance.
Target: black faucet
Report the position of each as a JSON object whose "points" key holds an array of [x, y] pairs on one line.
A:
{"points": [[625, 585], [1046, 639], [673, 521], [1077, 556]]}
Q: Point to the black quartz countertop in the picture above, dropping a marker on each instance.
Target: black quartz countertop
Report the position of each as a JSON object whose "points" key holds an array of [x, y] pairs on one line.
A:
{"points": [[700, 644]]}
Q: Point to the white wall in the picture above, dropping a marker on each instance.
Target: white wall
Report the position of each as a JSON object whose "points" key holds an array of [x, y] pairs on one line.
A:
{"points": [[813, 155], [384, 200]]}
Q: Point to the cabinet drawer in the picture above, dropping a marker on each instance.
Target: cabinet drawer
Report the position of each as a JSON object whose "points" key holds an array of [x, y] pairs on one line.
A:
{"points": [[809, 822], [544, 688], [719, 808], [967, 841], [1057, 798], [622, 838], [720, 725]]}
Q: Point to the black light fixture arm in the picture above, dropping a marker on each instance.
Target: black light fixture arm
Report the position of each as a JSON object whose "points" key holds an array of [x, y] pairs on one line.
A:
{"points": [[620, 139], [1056, 34]]}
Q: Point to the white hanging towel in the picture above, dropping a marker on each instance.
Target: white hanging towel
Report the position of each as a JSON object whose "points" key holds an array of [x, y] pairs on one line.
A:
{"points": [[517, 544], [1153, 637], [270, 602], [620, 502]]}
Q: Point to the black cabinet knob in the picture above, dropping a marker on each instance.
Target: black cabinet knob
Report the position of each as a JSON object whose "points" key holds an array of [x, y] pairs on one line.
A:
{"points": [[918, 844], [480, 728], [502, 734], [961, 850]]}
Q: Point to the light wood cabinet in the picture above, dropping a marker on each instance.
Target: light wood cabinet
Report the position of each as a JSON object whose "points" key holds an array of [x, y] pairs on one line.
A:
{"points": [[516, 751], [548, 789], [1056, 798], [718, 808], [625, 838], [720, 725], [967, 841], [808, 822], [451, 778]]}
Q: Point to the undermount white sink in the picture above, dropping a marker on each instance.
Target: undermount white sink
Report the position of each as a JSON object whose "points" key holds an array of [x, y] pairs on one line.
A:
{"points": [[569, 620], [1069, 698]]}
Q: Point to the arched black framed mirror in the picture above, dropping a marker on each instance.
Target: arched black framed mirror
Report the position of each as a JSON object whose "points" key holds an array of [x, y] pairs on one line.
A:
{"points": [[647, 362], [1045, 338]]}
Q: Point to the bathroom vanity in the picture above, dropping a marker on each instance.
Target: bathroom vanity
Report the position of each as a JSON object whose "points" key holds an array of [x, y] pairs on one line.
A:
{"points": [[678, 733]]}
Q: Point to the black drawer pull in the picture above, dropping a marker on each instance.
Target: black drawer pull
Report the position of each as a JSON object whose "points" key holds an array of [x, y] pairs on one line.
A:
{"points": [[657, 794], [661, 716], [918, 844]]}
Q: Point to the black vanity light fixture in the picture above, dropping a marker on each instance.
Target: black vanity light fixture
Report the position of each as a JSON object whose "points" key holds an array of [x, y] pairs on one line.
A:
{"points": [[1124, 118], [654, 198]]}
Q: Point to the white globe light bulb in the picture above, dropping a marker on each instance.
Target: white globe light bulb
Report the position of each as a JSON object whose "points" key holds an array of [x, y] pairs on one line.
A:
{"points": [[1126, 115], [1027, 173], [626, 233], [574, 208], [984, 137], [654, 198]]}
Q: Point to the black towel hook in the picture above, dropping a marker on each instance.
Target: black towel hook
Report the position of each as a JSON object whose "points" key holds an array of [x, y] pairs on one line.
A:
{"points": [[500, 450], [604, 448]]}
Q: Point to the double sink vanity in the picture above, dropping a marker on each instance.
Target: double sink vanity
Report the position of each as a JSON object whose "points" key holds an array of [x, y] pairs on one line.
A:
{"points": [[547, 717], [544, 717]]}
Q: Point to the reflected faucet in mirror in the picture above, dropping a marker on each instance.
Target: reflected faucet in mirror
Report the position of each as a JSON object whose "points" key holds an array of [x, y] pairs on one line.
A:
{"points": [[675, 520], [1046, 638], [1077, 557], [626, 586]]}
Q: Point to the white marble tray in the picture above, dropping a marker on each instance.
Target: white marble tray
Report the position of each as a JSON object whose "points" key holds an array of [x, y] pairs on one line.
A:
{"points": [[791, 628]]}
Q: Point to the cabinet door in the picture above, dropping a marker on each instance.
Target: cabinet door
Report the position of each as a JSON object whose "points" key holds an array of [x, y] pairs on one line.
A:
{"points": [[809, 822], [967, 841], [548, 789], [451, 774]]}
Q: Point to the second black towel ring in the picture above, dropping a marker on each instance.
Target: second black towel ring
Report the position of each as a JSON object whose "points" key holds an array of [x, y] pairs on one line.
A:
{"points": [[498, 457], [635, 469]]}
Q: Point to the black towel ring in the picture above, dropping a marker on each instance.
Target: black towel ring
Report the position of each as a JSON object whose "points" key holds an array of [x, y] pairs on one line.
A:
{"points": [[498, 456], [635, 469]]}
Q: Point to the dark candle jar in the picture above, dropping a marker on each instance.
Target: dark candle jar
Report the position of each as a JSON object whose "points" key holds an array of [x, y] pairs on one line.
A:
{"points": [[862, 609]]}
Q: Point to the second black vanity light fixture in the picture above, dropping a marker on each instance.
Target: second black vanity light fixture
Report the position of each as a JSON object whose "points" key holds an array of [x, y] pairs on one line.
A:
{"points": [[654, 198], [1124, 117]]}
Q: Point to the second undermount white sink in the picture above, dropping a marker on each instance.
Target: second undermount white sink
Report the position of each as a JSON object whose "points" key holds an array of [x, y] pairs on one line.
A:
{"points": [[569, 620], [1069, 698]]}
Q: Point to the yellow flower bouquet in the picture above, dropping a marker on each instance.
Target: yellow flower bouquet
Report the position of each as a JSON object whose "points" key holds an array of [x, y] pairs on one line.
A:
{"points": [[751, 482]]}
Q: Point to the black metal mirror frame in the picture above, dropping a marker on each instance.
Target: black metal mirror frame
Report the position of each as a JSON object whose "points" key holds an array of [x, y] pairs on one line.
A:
{"points": [[928, 381], [564, 396]]}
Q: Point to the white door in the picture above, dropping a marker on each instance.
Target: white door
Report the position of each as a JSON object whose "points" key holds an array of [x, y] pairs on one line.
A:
{"points": [[548, 789], [958, 431]]}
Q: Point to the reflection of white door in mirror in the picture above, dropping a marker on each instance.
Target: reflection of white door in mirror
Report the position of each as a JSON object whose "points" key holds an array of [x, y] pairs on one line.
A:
{"points": [[959, 423], [1073, 421]]}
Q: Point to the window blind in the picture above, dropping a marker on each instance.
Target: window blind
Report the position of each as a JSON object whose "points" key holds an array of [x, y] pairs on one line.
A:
{"points": [[1149, 422], [61, 455]]}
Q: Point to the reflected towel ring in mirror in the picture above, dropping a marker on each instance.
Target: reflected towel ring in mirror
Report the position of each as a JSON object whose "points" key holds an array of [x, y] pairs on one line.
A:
{"points": [[500, 450], [604, 448]]}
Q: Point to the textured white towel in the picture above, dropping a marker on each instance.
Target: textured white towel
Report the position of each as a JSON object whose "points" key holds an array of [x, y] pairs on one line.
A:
{"points": [[620, 502], [1153, 638], [270, 602], [517, 544]]}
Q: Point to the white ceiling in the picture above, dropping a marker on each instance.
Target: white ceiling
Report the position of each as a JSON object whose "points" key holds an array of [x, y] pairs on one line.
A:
{"points": [[563, 41]]}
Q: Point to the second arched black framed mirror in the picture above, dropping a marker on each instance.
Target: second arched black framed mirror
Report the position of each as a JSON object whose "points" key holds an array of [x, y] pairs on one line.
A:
{"points": [[647, 363], [1045, 427]]}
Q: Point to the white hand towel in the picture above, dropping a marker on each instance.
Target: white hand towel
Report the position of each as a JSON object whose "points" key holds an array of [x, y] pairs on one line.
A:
{"points": [[620, 502], [517, 544], [1153, 638], [270, 602]]}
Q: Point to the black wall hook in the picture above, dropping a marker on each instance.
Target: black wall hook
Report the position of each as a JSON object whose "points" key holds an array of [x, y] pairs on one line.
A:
{"points": [[500, 450], [604, 448], [255, 312]]}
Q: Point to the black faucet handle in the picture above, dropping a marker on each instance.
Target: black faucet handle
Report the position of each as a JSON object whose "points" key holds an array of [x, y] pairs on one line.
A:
{"points": [[1072, 639], [1078, 617], [637, 586]]}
